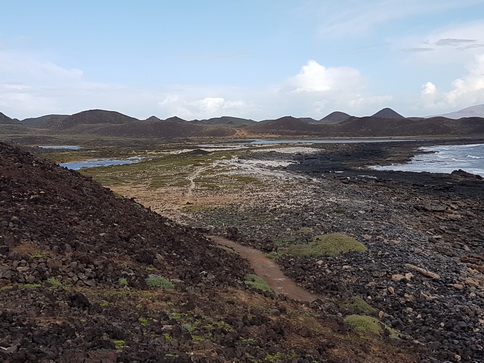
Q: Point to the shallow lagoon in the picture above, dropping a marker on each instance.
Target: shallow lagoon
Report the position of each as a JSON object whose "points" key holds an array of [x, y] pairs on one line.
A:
{"points": [[61, 147], [93, 163]]}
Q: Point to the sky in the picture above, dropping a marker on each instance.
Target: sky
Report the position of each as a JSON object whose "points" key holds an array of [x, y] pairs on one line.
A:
{"points": [[257, 59]]}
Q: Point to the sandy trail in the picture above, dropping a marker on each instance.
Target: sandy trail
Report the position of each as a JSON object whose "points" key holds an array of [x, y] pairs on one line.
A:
{"points": [[268, 270]]}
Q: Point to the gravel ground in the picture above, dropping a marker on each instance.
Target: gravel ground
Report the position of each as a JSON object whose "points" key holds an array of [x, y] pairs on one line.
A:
{"points": [[424, 271]]}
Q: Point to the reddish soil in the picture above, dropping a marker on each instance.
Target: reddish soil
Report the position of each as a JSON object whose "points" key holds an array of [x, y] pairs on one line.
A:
{"points": [[268, 270]]}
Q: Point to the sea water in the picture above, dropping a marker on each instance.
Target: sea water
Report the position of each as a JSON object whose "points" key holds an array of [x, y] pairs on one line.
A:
{"points": [[444, 159], [93, 163], [61, 147]]}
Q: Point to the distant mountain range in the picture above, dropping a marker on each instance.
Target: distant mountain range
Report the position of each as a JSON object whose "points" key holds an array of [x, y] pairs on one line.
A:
{"points": [[385, 122], [473, 111]]}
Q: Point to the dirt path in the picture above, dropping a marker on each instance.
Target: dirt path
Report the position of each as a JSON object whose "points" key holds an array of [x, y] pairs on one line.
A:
{"points": [[268, 270]]}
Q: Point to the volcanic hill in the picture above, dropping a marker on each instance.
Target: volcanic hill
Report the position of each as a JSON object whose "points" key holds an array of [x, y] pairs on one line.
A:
{"points": [[336, 116], [4, 119], [388, 113]]}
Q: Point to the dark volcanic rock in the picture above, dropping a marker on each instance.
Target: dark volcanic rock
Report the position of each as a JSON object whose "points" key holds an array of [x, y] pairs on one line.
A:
{"points": [[57, 209]]}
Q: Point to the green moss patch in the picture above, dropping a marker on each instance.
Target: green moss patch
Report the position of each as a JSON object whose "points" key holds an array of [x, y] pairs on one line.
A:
{"points": [[364, 323], [256, 282], [327, 245], [358, 305]]}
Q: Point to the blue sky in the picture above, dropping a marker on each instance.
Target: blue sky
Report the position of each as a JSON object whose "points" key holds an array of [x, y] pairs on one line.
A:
{"points": [[258, 59]]}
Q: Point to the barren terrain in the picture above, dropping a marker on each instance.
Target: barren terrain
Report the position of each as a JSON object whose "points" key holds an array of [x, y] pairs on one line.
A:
{"points": [[424, 270]]}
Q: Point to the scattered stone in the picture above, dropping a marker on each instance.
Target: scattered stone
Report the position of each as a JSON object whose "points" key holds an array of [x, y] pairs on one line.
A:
{"points": [[423, 271], [458, 286]]}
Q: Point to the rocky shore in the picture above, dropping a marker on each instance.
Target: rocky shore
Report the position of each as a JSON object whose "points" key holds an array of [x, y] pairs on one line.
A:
{"points": [[424, 269]]}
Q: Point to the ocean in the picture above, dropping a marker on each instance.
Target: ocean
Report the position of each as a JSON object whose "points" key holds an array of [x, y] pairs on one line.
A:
{"points": [[444, 159]]}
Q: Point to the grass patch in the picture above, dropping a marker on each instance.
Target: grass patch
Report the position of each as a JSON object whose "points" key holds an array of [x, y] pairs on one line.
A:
{"points": [[256, 282], [143, 321], [199, 208], [56, 284], [327, 245], [364, 323], [273, 255], [123, 281], [119, 344], [358, 305], [226, 249], [159, 282], [244, 179], [29, 286], [305, 230]]}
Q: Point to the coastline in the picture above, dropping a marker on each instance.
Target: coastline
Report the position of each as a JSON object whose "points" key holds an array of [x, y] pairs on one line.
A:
{"points": [[428, 220]]}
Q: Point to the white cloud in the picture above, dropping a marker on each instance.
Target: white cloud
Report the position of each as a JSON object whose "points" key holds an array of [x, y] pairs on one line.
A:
{"points": [[317, 78], [34, 87], [189, 103], [466, 91], [318, 90]]}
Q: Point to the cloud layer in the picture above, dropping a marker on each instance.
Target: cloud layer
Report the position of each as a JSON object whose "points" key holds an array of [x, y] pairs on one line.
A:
{"points": [[465, 91], [34, 87]]}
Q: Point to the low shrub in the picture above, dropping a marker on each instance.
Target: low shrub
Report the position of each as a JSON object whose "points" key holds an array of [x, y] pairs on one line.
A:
{"points": [[159, 282], [364, 323], [327, 245], [256, 282], [358, 305]]}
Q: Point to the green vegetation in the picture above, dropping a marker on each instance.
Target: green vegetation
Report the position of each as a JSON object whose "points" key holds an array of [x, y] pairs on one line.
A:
{"points": [[358, 305], [159, 282], [104, 304], [273, 255], [198, 338], [119, 344], [305, 230], [123, 282], [198, 208], [55, 284], [219, 325], [256, 282], [29, 286], [226, 249], [326, 245], [364, 323], [280, 357], [143, 321]]}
